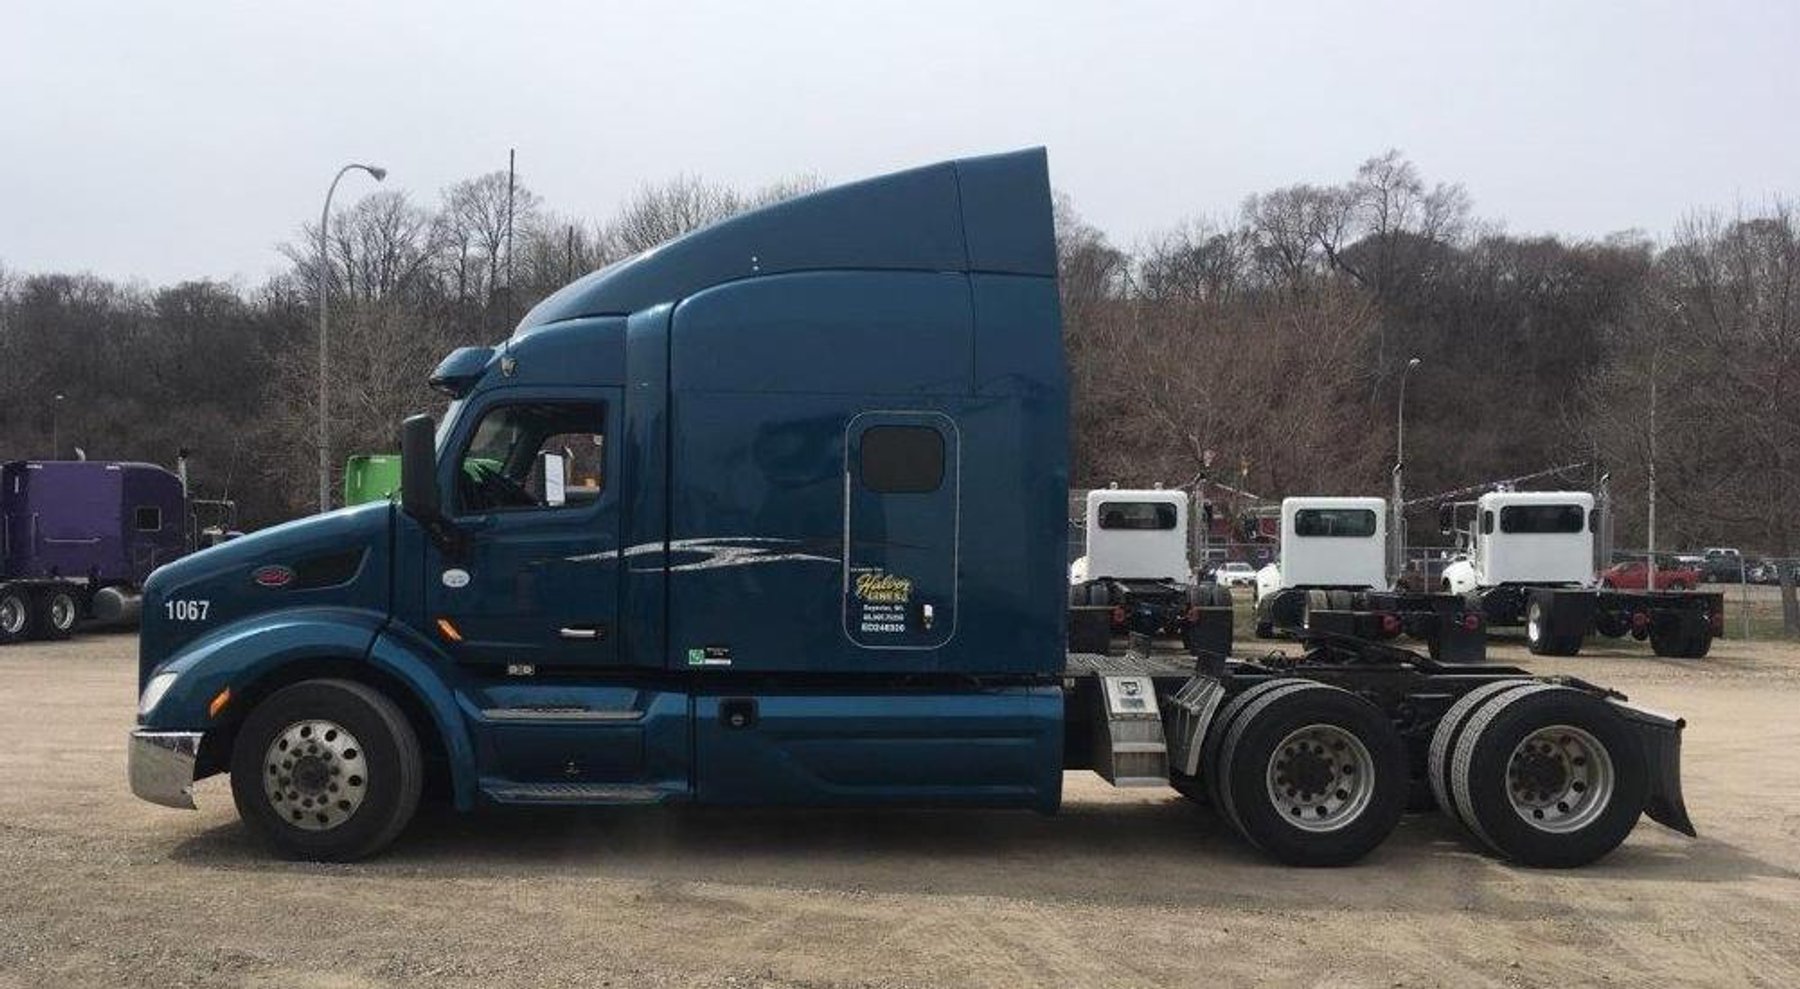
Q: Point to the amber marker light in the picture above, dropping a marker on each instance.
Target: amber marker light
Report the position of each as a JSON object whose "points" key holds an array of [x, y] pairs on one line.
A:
{"points": [[218, 703], [448, 630]]}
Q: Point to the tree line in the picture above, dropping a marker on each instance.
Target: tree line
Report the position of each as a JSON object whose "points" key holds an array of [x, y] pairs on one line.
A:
{"points": [[1262, 349]]}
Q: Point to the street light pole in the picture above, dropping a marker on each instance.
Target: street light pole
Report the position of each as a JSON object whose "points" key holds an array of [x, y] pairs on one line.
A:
{"points": [[56, 427], [324, 322], [1397, 556]]}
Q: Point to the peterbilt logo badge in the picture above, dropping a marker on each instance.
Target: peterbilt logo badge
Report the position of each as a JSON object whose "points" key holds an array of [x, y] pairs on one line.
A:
{"points": [[273, 575]]}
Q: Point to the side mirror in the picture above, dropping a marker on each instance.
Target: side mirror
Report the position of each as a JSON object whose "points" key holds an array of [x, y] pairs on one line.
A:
{"points": [[550, 483], [418, 469]]}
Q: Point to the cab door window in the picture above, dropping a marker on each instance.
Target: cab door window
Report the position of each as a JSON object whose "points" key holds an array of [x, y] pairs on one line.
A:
{"points": [[533, 455]]}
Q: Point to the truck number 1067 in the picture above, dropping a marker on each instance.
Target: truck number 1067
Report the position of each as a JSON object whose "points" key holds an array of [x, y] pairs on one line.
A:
{"points": [[187, 609]]}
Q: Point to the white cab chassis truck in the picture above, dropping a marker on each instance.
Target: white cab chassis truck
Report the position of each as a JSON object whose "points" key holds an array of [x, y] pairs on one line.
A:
{"points": [[1331, 577], [1530, 561], [1136, 567]]}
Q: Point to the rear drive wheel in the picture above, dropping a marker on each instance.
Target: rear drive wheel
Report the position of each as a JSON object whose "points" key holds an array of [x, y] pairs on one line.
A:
{"points": [[1449, 729], [1540, 640], [1677, 644], [1216, 733], [327, 770], [1549, 776], [1314, 776], [57, 612], [15, 615]]}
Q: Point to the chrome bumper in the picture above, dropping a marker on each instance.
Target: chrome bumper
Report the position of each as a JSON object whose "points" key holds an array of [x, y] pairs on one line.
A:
{"points": [[162, 766]]}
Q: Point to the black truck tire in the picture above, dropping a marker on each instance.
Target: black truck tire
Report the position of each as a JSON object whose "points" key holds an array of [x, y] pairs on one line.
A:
{"points": [[328, 770], [1313, 775], [1549, 776], [1540, 640], [1677, 644], [15, 615], [1444, 736], [55, 612], [1214, 742]]}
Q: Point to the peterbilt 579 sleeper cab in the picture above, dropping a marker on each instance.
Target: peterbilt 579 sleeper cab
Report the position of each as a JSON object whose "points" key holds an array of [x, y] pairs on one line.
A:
{"points": [[775, 514]]}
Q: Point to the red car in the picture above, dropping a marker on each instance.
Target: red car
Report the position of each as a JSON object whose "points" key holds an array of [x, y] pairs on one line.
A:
{"points": [[1629, 576]]}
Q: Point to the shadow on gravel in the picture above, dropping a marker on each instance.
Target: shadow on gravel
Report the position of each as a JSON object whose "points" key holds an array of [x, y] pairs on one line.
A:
{"points": [[1169, 853]]}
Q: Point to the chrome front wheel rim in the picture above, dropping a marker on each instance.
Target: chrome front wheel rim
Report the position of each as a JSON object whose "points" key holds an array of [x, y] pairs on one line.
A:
{"points": [[1320, 778], [1559, 779], [315, 775]]}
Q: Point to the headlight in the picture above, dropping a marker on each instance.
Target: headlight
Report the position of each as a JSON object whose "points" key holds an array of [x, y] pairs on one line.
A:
{"points": [[154, 691]]}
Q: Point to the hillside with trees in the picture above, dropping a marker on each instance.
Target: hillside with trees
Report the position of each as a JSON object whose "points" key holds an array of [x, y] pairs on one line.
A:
{"points": [[1273, 338]]}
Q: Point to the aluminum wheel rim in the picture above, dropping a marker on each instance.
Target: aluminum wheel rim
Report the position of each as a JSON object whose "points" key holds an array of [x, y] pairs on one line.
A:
{"points": [[315, 775], [12, 614], [62, 612], [1320, 778], [1559, 779]]}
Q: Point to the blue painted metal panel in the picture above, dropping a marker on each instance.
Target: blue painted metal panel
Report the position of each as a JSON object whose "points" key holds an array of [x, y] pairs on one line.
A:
{"points": [[644, 473], [1007, 213], [222, 577], [653, 748], [842, 332], [994, 748]]}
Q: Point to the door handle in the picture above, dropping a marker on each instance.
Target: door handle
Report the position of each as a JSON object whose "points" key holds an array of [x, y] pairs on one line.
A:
{"points": [[582, 631]]}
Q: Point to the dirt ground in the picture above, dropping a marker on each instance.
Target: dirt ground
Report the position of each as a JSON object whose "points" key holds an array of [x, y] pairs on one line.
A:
{"points": [[1119, 889]]}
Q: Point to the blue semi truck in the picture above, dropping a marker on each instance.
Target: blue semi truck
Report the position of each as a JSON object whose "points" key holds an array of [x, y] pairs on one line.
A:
{"points": [[815, 556], [79, 537]]}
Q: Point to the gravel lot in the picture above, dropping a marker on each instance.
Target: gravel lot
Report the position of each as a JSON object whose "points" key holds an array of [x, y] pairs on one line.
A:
{"points": [[1120, 889]]}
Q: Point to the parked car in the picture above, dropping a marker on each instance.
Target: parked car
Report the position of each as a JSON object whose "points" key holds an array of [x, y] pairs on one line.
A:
{"points": [[1235, 573], [1630, 576], [1723, 565]]}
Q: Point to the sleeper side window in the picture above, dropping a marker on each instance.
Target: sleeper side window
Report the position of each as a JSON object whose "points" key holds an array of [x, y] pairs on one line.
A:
{"points": [[534, 455], [148, 518], [902, 459]]}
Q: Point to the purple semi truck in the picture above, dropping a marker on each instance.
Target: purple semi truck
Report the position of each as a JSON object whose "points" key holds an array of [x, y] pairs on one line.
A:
{"points": [[77, 539]]}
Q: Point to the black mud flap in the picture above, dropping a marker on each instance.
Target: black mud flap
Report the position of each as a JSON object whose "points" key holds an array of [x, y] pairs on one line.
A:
{"points": [[1661, 738]]}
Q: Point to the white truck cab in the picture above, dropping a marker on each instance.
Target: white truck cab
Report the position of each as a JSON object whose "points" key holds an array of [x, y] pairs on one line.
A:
{"points": [[1139, 534], [1540, 538], [1329, 542]]}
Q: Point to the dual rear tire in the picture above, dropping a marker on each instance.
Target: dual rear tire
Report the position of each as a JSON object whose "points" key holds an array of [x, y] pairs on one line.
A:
{"points": [[1544, 775], [45, 613], [1310, 774]]}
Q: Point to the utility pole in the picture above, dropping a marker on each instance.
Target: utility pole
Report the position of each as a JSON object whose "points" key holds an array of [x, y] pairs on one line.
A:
{"points": [[510, 174], [1397, 535]]}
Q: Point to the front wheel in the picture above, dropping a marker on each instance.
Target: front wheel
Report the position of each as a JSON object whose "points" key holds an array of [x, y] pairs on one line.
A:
{"points": [[328, 770]]}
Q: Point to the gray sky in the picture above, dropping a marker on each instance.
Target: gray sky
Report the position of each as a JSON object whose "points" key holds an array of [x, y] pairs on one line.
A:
{"points": [[186, 138]]}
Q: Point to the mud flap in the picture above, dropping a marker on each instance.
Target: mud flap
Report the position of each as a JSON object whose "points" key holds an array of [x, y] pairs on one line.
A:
{"points": [[1661, 739]]}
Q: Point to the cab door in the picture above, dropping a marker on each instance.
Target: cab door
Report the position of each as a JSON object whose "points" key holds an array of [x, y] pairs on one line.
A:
{"points": [[530, 574], [901, 530]]}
